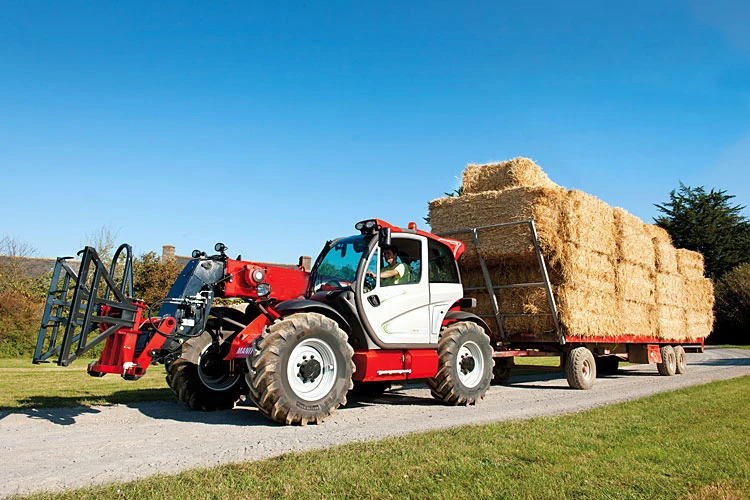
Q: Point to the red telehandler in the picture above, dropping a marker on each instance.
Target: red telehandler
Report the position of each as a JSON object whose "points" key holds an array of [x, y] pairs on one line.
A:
{"points": [[304, 340]]}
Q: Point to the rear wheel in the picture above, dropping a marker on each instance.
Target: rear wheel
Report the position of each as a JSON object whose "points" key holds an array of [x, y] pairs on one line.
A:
{"points": [[680, 359], [668, 365], [464, 365], [580, 368], [301, 369]]}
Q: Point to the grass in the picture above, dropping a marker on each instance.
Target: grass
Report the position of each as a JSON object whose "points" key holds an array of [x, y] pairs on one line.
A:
{"points": [[25, 385], [692, 443]]}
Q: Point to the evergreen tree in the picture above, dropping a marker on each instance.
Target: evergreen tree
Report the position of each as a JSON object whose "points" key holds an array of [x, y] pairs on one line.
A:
{"points": [[708, 223]]}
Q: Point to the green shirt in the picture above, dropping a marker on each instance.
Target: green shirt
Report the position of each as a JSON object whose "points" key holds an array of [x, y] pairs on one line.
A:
{"points": [[402, 276]]}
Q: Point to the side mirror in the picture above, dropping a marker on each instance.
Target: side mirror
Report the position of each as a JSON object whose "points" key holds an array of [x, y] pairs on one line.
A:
{"points": [[384, 237]]}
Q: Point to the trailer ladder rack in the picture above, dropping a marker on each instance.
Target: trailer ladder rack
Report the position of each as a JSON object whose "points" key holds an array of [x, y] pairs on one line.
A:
{"points": [[75, 303], [490, 287]]}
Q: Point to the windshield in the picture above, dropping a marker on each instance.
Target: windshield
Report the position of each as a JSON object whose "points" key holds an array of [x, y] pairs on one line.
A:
{"points": [[338, 267]]}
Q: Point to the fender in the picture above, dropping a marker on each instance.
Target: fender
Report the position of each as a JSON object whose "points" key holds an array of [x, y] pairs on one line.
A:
{"points": [[304, 305], [452, 316]]}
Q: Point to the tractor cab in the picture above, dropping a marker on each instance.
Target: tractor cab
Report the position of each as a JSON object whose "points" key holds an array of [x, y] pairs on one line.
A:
{"points": [[383, 310]]}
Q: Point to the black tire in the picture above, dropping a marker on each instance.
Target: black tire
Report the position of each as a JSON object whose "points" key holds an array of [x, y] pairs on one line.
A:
{"points": [[668, 365], [464, 365], [580, 368], [607, 365], [369, 389], [200, 377], [284, 362], [680, 359], [501, 371]]}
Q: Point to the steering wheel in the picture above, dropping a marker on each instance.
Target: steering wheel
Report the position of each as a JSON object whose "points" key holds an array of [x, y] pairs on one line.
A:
{"points": [[369, 284]]}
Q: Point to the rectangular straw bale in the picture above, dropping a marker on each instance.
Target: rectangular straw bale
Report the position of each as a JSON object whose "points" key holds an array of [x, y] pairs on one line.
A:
{"points": [[700, 324], [502, 271], [666, 256], [659, 233], [671, 322], [633, 239], [583, 268], [544, 205], [670, 290], [699, 295], [635, 283], [518, 172], [516, 303], [689, 263], [637, 319], [587, 313], [589, 222]]}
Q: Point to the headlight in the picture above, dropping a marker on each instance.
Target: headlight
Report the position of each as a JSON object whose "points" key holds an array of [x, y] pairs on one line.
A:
{"points": [[263, 289], [196, 254], [220, 247]]}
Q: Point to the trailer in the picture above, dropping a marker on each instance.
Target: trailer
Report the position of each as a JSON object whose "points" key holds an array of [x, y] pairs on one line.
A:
{"points": [[581, 358]]}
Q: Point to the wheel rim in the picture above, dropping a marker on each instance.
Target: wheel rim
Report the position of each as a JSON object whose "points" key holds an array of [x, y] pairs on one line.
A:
{"points": [[311, 371], [470, 364], [213, 370], [586, 369]]}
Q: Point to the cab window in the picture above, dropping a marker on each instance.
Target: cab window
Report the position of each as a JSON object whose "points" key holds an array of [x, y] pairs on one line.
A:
{"points": [[442, 265]]}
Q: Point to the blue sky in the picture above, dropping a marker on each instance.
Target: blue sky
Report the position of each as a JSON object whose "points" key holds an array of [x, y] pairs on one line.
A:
{"points": [[274, 128]]}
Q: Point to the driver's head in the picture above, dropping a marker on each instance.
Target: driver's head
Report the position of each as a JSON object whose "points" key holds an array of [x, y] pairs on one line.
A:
{"points": [[390, 252]]}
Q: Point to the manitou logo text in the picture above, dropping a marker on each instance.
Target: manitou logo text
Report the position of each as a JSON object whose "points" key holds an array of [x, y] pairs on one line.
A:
{"points": [[245, 351]]}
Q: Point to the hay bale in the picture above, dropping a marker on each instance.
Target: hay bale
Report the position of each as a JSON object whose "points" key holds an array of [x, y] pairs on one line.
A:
{"points": [[659, 233], [518, 172], [589, 222], [637, 318], [634, 240], [699, 295], [670, 290], [586, 312], [671, 323], [635, 283], [700, 324], [689, 263], [666, 256], [544, 205]]}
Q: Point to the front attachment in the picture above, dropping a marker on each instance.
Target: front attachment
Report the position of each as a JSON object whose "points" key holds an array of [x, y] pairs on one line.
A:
{"points": [[80, 303]]}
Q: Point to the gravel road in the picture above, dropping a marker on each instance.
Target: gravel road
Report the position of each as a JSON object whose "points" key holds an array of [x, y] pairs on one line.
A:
{"points": [[55, 449]]}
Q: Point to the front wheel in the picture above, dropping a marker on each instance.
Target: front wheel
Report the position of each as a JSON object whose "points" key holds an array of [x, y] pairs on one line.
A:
{"points": [[464, 365], [580, 368], [301, 369], [202, 379]]}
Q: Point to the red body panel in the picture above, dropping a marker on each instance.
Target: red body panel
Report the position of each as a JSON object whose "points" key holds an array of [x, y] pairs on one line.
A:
{"points": [[286, 282], [242, 344], [456, 246], [397, 364]]}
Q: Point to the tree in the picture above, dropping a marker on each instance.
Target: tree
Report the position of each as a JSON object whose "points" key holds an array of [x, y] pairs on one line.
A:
{"points": [[153, 278], [104, 240], [708, 223], [733, 306]]}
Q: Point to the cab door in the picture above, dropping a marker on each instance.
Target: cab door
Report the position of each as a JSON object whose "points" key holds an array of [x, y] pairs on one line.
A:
{"points": [[398, 314]]}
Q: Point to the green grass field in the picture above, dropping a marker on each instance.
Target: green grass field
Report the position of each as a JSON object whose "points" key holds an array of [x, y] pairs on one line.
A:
{"points": [[25, 385], [692, 443]]}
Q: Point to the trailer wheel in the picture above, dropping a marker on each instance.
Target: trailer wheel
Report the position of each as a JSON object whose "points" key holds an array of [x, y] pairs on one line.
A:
{"points": [[464, 365], [607, 365], [668, 365], [501, 370], [580, 368], [202, 379], [680, 359], [301, 369]]}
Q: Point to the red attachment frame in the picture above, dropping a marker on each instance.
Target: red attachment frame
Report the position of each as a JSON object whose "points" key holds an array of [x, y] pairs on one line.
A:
{"points": [[396, 364], [629, 339], [119, 348]]}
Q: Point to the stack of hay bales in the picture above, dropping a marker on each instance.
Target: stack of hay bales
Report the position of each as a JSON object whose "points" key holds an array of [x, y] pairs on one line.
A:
{"points": [[612, 274]]}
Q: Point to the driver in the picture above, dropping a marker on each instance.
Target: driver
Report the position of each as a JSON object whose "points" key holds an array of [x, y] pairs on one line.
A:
{"points": [[395, 272]]}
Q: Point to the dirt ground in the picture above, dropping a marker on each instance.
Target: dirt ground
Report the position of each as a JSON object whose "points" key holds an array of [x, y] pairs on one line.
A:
{"points": [[62, 448]]}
